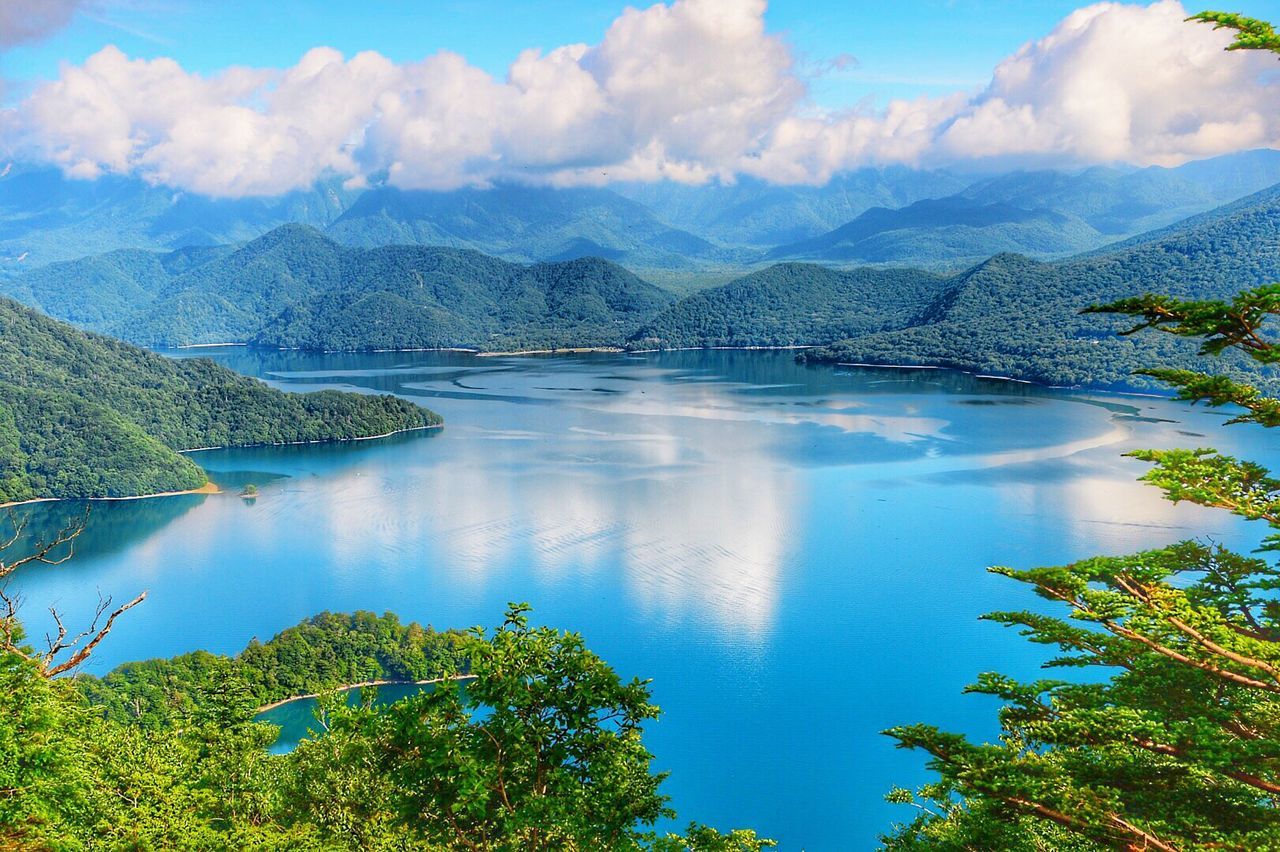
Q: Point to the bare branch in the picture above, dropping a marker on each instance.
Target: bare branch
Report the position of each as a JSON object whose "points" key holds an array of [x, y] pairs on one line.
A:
{"points": [[83, 654]]}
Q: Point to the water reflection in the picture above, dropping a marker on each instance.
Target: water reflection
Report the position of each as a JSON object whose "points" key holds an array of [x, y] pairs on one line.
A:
{"points": [[723, 522]]}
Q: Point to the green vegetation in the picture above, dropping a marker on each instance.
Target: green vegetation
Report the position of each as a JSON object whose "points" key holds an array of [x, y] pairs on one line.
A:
{"points": [[1172, 741], [792, 304], [405, 297], [85, 416], [1009, 315], [1016, 317], [294, 287], [322, 653], [542, 750]]}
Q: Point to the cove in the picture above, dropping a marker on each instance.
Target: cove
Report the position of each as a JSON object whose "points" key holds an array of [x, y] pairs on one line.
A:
{"points": [[296, 717], [795, 555]]}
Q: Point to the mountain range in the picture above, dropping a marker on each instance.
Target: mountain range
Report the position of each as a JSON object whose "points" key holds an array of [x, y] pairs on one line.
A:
{"points": [[940, 219], [1009, 315]]}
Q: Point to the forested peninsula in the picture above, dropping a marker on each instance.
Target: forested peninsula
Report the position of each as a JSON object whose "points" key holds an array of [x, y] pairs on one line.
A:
{"points": [[86, 416]]}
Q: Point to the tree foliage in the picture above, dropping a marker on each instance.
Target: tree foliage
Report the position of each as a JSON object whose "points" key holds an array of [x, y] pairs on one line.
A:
{"points": [[542, 749], [1172, 739], [83, 415]]}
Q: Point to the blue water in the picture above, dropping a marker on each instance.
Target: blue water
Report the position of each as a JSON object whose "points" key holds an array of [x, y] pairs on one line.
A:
{"points": [[794, 555], [299, 719]]}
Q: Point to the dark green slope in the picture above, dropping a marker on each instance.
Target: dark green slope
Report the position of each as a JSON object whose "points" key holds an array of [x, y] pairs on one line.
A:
{"points": [[83, 415], [295, 287], [402, 297], [225, 299], [1016, 317], [945, 229], [792, 304]]}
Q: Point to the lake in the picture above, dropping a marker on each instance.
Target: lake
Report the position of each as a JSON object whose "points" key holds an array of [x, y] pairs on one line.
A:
{"points": [[795, 555]]}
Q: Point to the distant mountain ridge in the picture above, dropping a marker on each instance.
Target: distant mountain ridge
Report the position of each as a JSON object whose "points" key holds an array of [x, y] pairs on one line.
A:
{"points": [[970, 230], [524, 224], [46, 217]]}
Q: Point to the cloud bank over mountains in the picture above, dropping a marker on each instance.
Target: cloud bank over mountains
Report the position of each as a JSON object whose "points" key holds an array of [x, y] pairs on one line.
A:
{"points": [[691, 91]]}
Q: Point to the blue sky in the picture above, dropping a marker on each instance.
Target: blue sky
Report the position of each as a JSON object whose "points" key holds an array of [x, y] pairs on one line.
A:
{"points": [[264, 97], [929, 47]]}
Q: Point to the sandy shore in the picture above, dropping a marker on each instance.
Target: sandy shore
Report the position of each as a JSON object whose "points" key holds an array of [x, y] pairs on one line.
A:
{"points": [[207, 488], [350, 686]]}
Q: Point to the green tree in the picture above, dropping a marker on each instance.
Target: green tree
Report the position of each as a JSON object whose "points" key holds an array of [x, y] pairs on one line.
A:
{"points": [[539, 748], [1176, 744]]}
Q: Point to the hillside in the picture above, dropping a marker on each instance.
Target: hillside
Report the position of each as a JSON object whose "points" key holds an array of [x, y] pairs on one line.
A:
{"points": [[296, 287], [792, 304], [945, 230], [83, 415], [406, 297], [1017, 317]]}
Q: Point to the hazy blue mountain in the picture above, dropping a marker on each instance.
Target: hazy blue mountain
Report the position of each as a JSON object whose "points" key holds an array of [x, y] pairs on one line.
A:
{"points": [[754, 213], [663, 227], [1122, 202], [1017, 317], [296, 287], [524, 224], [945, 231], [46, 217]]}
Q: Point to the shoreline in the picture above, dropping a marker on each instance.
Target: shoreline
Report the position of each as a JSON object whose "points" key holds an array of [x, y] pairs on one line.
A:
{"points": [[317, 441], [208, 488], [569, 350], [350, 686]]}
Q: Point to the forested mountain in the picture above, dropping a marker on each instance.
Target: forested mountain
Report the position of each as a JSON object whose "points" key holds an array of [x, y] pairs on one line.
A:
{"points": [[793, 304], [946, 230], [524, 224], [295, 287], [404, 297], [83, 415], [1017, 317]]}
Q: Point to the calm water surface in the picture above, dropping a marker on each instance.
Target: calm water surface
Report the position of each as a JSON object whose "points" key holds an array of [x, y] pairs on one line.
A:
{"points": [[794, 555]]}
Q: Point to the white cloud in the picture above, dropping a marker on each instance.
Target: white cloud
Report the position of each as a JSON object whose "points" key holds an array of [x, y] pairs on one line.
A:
{"points": [[690, 91], [1128, 83]]}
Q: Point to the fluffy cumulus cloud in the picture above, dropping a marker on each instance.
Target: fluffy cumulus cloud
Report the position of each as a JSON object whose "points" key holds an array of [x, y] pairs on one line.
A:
{"points": [[1118, 82], [690, 91]]}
